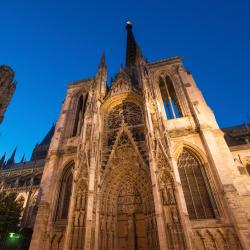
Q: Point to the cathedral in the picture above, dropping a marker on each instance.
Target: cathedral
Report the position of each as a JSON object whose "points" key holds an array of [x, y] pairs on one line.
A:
{"points": [[7, 88], [138, 165]]}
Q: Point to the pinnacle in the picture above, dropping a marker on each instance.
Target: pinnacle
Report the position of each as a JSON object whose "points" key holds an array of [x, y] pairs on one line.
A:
{"points": [[102, 63]]}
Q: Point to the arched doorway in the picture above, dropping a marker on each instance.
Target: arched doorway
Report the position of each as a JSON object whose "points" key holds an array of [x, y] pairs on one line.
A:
{"points": [[131, 226], [127, 218]]}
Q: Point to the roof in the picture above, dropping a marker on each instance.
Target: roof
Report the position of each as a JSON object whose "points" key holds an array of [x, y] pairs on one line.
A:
{"points": [[237, 135]]}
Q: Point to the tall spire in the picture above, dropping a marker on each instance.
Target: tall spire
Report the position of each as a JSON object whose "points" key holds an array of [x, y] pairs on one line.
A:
{"points": [[101, 77], [2, 160], [23, 159], [132, 47], [11, 160], [133, 56], [102, 63]]}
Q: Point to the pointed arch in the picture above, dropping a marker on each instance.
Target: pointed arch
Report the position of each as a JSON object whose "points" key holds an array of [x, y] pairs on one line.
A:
{"points": [[125, 138], [126, 203], [126, 116], [169, 97], [75, 114], [177, 92], [178, 148], [79, 115], [196, 188], [64, 193], [127, 209]]}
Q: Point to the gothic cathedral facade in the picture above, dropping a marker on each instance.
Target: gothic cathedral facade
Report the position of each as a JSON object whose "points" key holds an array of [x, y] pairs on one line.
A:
{"points": [[141, 164]]}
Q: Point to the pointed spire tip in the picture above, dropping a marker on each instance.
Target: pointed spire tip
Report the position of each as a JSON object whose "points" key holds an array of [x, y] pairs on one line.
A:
{"points": [[102, 61], [129, 24]]}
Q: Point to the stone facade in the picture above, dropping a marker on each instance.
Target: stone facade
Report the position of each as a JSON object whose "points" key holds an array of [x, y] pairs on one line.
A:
{"points": [[7, 88], [141, 165], [24, 179]]}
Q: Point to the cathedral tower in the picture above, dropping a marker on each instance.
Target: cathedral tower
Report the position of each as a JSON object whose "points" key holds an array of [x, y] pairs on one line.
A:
{"points": [[141, 165], [7, 88]]}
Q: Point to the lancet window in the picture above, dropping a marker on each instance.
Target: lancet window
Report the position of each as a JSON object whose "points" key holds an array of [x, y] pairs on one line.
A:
{"points": [[196, 188], [79, 116], [169, 98], [64, 194]]}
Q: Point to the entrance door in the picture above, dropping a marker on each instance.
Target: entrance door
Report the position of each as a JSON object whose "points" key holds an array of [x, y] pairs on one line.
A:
{"points": [[131, 226], [131, 232]]}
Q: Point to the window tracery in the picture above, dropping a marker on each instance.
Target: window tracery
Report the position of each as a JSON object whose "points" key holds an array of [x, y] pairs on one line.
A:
{"points": [[127, 114], [170, 211], [64, 194], [169, 98], [79, 116], [195, 187], [127, 218]]}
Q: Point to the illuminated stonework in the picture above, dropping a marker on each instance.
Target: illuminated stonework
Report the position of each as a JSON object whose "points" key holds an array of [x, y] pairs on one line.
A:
{"points": [[7, 88], [141, 165]]}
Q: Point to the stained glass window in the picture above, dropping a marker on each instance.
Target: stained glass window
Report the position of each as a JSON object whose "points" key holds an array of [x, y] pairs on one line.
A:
{"points": [[195, 186], [65, 193]]}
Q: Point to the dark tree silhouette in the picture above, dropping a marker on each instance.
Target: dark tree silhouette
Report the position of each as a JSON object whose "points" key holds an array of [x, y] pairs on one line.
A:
{"points": [[10, 212]]}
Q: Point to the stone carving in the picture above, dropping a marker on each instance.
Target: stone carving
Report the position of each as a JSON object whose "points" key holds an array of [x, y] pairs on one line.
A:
{"points": [[79, 216], [126, 207], [125, 196], [216, 238], [174, 232]]}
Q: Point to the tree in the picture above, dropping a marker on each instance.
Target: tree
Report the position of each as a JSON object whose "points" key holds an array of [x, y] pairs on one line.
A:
{"points": [[10, 212]]}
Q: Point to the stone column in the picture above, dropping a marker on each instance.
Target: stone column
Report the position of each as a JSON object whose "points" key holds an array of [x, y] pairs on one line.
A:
{"points": [[26, 210], [39, 233], [91, 183], [156, 195], [131, 232], [181, 205], [97, 224], [89, 207]]}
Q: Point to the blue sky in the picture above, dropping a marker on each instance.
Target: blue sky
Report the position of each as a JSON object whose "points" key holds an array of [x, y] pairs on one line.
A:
{"points": [[52, 43]]}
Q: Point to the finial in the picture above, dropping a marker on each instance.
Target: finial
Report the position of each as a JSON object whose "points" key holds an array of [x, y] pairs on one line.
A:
{"points": [[128, 25], [102, 61], [121, 68], [2, 160], [23, 159], [12, 157]]}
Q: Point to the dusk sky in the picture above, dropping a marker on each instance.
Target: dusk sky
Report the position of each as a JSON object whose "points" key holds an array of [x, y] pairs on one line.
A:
{"points": [[52, 43]]}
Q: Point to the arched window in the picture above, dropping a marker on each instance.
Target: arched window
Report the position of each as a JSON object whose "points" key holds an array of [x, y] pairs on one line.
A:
{"points": [[169, 98], [79, 116], [64, 193], [195, 185], [248, 168]]}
